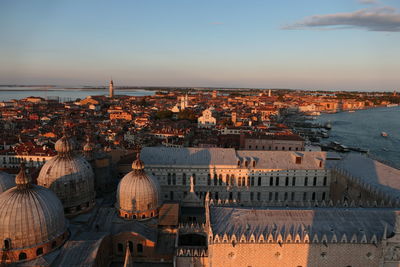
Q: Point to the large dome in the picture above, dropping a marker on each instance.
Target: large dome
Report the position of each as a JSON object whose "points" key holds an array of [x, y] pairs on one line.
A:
{"points": [[32, 221], [70, 176], [6, 181], [138, 195]]}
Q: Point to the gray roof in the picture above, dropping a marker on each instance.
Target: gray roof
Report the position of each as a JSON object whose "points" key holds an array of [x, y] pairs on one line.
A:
{"points": [[204, 157], [379, 176], [79, 253], [320, 221]]}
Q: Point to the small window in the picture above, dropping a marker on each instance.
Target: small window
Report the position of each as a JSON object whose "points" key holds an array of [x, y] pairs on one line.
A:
{"points": [[39, 251], [298, 160], [22, 256], [271, 181], [294, 181], [7, 243], [139, 248], [315, 181], [306, 181], [325, 180]]}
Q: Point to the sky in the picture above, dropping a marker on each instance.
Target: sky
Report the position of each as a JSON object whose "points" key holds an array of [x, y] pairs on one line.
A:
{"points": [[307, 44]]}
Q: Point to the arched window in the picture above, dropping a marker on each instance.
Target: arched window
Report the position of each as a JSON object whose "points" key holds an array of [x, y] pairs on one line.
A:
{"points": [[258, 196], [251, 196], [220, 179], [208, 179], [259, 181], [139, 248], [173, 179], [252, 181], [194, 178], [39, 251], [232, 179], [323, 196], [7, 243], [254, 163], [294, 181], [227, 179], [325, 180], [246, 164], [130, 246], [230, 196], [143, 216], [184, 178], [315, 181], [239, 196], [313, 196], [287, 181], [134, 217], [248, 181], [169, 179], [215, 179], [240, 181], [271, 181], [306, 181], [277, 181], [120, 247], [22, 256]]}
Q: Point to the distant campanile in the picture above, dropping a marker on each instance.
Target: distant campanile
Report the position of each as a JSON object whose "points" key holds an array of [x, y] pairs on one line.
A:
{"points": [[111, 89]]}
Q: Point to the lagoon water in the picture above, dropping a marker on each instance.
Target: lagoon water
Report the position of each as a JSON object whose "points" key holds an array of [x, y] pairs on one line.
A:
{"points": [[363, 129], [64, 94]]}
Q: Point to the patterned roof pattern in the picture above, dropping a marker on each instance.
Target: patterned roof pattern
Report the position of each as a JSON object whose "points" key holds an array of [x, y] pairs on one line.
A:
{"points": [[317, 221]]}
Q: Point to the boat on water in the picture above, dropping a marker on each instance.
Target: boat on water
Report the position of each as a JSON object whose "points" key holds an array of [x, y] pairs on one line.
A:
{"points": [[352, 111], [392, 105], [328, 125], [384, 134]]}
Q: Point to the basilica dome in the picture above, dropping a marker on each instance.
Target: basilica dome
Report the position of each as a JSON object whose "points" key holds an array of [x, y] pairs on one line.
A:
{"points": [[138, 194], [32, 221], [70, 176], [6, 181]]}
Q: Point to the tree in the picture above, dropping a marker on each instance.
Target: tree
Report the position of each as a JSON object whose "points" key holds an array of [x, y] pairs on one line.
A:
{"points": [[164, 114]]}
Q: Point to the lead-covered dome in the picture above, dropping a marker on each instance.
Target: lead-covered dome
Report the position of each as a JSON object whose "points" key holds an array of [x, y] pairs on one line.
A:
{"points": [[32, 221], [70, 176], [6, 181], [138, 194]]}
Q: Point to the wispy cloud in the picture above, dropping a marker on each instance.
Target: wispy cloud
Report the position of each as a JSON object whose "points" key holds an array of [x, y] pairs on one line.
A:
{"points": [[216, 23], [368, 2], [385, 19]]}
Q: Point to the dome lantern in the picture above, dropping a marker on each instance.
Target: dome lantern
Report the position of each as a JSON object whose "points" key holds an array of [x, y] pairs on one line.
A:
{"points": [[23, 180]]}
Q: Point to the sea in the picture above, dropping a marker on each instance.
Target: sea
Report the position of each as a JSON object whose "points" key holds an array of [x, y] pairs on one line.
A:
{"points": [[363, 129], [63, 93]]}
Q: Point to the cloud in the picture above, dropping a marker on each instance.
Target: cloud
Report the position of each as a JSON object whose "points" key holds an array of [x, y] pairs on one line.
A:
{"points": [[368, 2], [384, 19], [216, 23]]}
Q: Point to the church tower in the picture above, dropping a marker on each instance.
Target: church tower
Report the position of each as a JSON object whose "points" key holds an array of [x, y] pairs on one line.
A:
{"points": [[111, 89]]}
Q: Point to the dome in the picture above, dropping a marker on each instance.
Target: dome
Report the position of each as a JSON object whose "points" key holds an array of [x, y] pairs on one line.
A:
{"points": [[138, 195], [6, 181], [32, 221], [71, 177]]}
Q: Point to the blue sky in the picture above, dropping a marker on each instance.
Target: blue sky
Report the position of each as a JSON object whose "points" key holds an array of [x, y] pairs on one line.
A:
{"points": [[348, 44]]}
